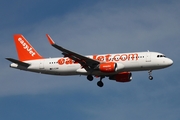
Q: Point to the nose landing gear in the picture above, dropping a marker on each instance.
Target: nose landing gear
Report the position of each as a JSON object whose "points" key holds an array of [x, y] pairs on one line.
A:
{"points": [[150, 75]]}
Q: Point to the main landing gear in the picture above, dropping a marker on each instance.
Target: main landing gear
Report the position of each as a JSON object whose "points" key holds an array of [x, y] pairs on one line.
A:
{"points": [[150, 75], [99, 83], [90, 77]]}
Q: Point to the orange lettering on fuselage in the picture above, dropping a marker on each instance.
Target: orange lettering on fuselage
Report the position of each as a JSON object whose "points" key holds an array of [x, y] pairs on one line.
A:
{"points": [[116, 57], [102, 58], [123, 57], [132, 56], [61, 61], [68, 61], [107, 57]]}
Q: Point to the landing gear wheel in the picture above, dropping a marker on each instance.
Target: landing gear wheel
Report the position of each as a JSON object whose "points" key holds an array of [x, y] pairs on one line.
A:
{"points": [[100, 83], [90, 77], [151, 77]]}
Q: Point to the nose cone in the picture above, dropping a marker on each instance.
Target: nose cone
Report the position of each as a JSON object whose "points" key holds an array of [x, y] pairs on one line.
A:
{"points": [[169, 62]]}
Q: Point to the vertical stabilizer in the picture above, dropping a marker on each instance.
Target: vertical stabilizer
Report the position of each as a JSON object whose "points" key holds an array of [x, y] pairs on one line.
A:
{"points": [[24, 49]]}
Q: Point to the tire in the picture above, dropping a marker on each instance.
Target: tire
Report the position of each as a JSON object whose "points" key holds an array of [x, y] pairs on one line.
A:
{"points": [[100, 83], [150, 77], [90, 77]]}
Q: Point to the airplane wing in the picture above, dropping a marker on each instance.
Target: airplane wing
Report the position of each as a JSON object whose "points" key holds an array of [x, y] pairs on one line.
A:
{"points": [[85, 62]]}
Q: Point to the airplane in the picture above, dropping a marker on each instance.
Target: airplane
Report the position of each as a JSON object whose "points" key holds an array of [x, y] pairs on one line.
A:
{"points": [[117, 67]]}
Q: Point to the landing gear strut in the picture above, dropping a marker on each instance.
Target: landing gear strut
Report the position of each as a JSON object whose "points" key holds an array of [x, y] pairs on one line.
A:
{"points": [[150, 75], [100, 83]]}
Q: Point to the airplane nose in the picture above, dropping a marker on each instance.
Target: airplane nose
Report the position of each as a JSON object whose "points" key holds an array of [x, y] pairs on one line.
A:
{"points": [[169, 62]]}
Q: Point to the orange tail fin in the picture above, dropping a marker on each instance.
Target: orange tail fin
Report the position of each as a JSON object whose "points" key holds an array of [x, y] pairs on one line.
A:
{"points": [[24, 49]]}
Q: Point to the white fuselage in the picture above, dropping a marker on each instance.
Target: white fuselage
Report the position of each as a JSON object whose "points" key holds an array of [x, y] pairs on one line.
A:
{"points": [[137, 61]]}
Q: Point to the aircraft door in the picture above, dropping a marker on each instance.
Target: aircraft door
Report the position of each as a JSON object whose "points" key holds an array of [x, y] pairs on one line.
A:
{"points": [[148, 57], [41, 64]]}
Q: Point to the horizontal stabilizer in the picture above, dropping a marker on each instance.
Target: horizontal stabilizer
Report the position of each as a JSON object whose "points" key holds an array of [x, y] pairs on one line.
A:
{"points": [[18, 62]]}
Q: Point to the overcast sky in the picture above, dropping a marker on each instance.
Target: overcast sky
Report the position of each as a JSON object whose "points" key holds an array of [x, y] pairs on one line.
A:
{"points": [[90, 27]]}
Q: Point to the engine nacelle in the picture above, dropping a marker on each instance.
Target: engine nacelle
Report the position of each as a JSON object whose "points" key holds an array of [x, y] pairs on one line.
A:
{"points": [[122, 77], [110, 67], [107, 67]]}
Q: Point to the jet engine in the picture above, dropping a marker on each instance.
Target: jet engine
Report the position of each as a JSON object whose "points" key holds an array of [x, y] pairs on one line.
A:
{"points": [[122, 77], [110, 67]]}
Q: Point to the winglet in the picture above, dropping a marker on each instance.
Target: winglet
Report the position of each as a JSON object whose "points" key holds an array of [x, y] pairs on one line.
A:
{"points": [[50, 39]]}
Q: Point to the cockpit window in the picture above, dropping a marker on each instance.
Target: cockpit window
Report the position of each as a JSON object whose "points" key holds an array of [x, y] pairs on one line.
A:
{"points": [[161, 56]]}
